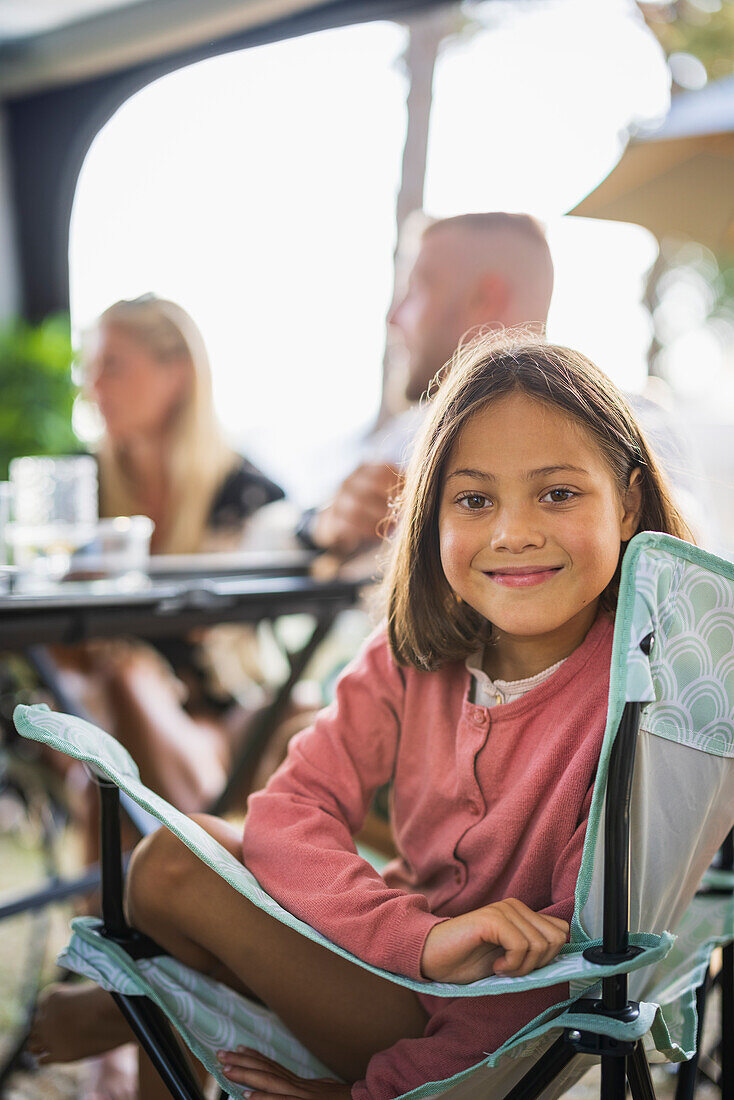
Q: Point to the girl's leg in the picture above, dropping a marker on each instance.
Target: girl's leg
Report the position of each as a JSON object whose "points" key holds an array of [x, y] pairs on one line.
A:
{"points": [[340, 1012], [76, 1021]]}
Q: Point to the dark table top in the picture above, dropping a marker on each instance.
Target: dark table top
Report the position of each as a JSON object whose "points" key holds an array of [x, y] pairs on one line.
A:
{"points": [[169, 602]]}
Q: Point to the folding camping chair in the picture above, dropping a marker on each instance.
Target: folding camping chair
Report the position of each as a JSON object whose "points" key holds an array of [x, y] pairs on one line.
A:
{"points": [[664, 791]]}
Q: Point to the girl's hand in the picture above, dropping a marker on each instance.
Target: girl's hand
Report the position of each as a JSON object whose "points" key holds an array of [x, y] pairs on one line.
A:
{"points": [[262, 1078], [505, 938]]}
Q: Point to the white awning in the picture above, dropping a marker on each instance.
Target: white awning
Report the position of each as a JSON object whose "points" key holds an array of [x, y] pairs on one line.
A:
{"points": [[677, 180]]}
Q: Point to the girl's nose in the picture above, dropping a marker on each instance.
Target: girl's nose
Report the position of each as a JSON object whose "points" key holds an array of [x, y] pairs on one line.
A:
{"points": [[515, 532]]}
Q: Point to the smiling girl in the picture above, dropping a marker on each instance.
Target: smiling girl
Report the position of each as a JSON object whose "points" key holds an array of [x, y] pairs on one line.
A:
{"points": [[483, 701]]}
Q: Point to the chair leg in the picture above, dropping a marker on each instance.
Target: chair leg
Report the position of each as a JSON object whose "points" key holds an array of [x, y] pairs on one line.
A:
{"points": [[613, 1077], [156, 1038], [638, 1074], [688, 1072]]}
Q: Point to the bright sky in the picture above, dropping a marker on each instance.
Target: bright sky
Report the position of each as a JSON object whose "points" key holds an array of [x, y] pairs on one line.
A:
{"points": [[258, 190]]}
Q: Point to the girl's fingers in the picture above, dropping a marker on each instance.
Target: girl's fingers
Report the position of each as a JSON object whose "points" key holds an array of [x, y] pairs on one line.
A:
{"points": [[259, 1080], [246, 1056], [513, 942], [539, 919], [263, 1077], [531, 943], [467, 947], [555, 932]]}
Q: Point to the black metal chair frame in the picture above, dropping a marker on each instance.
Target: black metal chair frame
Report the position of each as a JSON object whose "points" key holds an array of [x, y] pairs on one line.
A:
{"points": [[621, 1062]]}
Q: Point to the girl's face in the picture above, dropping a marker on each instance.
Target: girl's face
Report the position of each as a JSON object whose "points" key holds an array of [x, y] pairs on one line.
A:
{"points": [[136, 393], [530, 526]]}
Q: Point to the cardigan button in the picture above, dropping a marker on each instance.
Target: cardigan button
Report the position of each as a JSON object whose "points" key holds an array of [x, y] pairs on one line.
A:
{"points": [[480, 717]]}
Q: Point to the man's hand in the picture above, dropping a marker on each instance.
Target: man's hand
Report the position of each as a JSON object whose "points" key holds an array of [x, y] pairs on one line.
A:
{"points": [[361, 502], [505, 938], [261, 1078]]}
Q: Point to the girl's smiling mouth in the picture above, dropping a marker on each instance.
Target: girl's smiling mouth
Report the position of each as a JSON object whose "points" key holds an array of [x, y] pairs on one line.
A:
{"points": [[522, 576]]}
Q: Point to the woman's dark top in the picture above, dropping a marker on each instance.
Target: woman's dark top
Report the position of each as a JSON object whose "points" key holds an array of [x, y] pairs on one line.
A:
{"points": [[243, 491]]}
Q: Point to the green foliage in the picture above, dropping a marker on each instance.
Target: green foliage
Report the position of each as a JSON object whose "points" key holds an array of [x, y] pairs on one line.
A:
{"points": [[723, 307], [704, 28], [36, 390], [705, 282]]}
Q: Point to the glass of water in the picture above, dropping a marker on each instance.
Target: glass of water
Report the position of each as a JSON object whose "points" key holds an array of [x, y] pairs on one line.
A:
{"points": [[54, 490], [55, 505]]}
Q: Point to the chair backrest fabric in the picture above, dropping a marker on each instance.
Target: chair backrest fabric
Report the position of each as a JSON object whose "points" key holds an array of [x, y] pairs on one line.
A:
{"points": [[683, 788]]}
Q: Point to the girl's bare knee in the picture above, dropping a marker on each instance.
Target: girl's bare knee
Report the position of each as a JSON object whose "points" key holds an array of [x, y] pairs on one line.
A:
{"points": [[157, 868]]}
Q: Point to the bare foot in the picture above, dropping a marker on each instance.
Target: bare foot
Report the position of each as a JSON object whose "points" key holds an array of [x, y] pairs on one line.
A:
{"points": [[73, 1022], [113, 1076]]}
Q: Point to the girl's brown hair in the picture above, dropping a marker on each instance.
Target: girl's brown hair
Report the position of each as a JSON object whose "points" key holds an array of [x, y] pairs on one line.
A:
{"points": [[427, 625]]}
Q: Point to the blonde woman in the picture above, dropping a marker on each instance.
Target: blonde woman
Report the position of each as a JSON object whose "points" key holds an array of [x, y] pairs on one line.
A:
{"points": [[163, 455]]}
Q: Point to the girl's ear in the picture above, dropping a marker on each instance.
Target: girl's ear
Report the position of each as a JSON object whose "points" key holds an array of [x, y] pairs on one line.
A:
{"points": [[632, 505]]}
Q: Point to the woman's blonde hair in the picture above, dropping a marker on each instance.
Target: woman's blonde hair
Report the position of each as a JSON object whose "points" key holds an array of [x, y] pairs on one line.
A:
{"points": [[198, 457], [427, 625]]}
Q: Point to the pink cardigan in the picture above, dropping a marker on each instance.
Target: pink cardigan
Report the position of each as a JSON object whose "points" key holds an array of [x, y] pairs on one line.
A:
{"points": [[486, 805]]}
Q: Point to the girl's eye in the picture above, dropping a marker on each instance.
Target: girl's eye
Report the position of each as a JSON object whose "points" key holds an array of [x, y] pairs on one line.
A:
{"points": [[558, 496], [473, 501]]}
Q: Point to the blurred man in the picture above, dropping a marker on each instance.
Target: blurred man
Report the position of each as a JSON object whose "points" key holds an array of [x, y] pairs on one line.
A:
{"points": [[472, 272]]}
